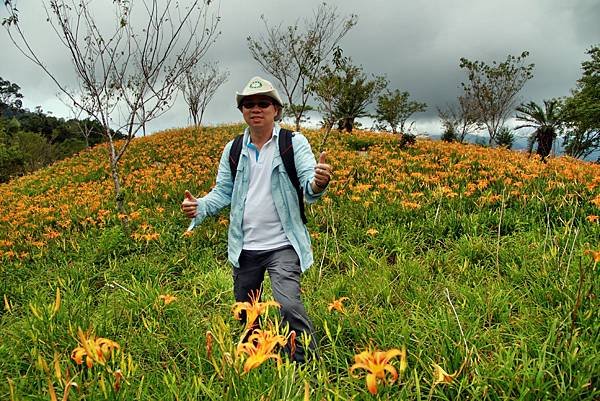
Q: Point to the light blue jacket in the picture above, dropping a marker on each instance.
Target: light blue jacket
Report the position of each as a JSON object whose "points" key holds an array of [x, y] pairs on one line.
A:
{"points": [[227, 193]]}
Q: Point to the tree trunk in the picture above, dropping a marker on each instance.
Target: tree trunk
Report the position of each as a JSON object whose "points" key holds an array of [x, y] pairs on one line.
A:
{"points": [[545, 138], [348, 124], [114, 172], [298, 117]]}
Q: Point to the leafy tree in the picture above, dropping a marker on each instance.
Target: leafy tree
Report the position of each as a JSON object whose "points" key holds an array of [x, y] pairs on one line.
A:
{"points": [[10, 95], [582, 109], [459, 120], [127, 76], [494, 88], [11, 159], [505, 137], [36, 150], [199, 86], [295, 55], [69, 147], [449, 134], [344, 94], [30, 140], [547, 122], [395, 108]]}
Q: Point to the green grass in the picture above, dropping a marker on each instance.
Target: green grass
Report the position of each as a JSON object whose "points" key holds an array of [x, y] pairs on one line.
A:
{"points": [[514, 270]]}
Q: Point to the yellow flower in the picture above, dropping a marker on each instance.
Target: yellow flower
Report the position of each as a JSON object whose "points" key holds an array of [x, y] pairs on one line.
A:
{"points": [[372, 232], [167, 298], [441, 376], [337, 304], [260, 347], [253, 309], [377, 363]]}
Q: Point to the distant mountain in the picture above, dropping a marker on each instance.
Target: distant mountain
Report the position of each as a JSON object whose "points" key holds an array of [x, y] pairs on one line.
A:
{"points": [[520, 144]]}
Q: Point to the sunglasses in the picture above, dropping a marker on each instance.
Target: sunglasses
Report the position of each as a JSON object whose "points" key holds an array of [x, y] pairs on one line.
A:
{"points": [[263, 104]]}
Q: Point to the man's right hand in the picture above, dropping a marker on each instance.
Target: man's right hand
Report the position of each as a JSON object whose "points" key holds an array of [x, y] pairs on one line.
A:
{"points": [[189, 205]]}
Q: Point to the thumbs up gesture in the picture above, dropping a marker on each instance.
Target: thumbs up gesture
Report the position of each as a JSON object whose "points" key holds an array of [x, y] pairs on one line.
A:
{"points": [[189, 204], [322, 173]]}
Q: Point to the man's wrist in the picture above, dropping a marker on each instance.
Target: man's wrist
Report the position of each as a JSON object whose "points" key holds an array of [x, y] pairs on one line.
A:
{"points": [[318, 188]]}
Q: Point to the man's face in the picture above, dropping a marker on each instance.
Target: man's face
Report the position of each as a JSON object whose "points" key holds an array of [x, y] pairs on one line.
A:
{"points": [[259, 111]]}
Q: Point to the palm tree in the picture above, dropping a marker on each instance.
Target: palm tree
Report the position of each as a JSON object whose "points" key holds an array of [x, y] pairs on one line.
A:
{"points": [[547, 122]]}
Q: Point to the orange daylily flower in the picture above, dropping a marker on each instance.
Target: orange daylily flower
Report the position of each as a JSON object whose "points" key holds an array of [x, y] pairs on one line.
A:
{"points": [[337, 304], [260, 347], [253, 309], [592, 218], [167, 298], [377, 363], [594, 254], [95, 350]]}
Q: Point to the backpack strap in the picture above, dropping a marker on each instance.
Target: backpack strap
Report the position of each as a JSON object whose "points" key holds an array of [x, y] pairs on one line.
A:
{"points": [[286, 150], [234, 155]]}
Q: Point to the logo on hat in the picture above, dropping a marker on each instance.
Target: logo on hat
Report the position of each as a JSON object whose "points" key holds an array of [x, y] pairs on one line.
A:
{"points": [[255, 84]]}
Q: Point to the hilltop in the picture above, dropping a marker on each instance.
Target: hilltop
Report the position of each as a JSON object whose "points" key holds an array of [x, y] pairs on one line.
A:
{"points": [[482, 261]]}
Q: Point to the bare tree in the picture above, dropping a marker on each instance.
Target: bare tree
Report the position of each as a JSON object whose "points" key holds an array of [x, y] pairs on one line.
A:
{"points": [[460, 118], [80, 120], [494, 89], [294, 56], [127, 76], [199, 87]]}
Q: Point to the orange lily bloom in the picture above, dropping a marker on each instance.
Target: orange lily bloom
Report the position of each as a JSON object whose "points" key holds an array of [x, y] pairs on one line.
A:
{"points": [[167, 298], [377, 363], [94, 349], [337, 304], [253, 309], [594, 254], [260, 347], [592, 218]]}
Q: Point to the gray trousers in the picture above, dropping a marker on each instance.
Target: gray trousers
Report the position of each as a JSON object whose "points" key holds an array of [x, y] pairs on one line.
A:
{"points": [[284, 270]]}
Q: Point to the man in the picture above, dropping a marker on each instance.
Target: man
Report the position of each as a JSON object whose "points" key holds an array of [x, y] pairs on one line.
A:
{"points": [[266, 232]]}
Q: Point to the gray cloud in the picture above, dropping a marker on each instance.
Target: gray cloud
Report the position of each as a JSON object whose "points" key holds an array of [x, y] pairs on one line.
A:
{"points": [[417, 45]]}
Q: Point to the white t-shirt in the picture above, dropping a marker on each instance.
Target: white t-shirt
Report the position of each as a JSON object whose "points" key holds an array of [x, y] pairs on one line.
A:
{"points": [[261, 225]]}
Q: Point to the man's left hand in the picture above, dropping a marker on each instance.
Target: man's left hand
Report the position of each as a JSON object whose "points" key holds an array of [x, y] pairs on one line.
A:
{"points": [[322, 174]]}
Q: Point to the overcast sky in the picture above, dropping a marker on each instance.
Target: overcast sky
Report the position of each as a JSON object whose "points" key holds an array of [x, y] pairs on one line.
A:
{"points": [[416, 44]]}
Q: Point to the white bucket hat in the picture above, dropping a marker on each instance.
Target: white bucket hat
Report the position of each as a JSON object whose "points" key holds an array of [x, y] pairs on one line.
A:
{"points": [[260, 86]]}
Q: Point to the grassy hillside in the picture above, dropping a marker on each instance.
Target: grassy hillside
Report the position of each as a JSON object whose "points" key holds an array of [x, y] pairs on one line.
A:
{"points": [[482, 261]]}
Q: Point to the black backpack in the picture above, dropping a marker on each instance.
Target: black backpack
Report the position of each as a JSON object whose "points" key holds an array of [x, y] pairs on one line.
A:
{"points": [[286, 150]]}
